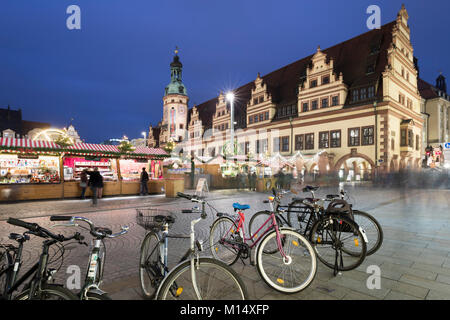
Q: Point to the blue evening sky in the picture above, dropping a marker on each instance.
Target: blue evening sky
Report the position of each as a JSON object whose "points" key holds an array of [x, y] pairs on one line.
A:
{"points": [[110, 75]]}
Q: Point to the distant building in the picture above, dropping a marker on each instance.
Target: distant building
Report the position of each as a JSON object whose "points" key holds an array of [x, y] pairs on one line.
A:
{"points": [[13, 126], [436, 107]]}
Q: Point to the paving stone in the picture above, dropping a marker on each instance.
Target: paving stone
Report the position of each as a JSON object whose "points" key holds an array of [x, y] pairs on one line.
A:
{"points": [[428, 284], [394, 295], [438, 295], [395, 272], [353, 295], [431, 268], [443, 279]]}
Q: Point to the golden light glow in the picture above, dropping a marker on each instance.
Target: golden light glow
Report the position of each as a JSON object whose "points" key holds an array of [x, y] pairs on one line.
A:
{"points": [[51, 134]]}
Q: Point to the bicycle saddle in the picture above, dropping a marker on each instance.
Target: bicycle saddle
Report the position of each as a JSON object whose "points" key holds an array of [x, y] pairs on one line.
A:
{"points": [[18, 237], [161, 218], [310, 188], [239, 206]]}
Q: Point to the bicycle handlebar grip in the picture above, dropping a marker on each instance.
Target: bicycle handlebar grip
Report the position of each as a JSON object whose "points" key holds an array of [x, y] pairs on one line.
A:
{"points": [[60, 218], [186, 211], [23, 224], [183, 195]]}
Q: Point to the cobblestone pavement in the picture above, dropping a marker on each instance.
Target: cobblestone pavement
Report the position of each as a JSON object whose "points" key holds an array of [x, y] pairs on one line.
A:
{"points": [[414, 258]]}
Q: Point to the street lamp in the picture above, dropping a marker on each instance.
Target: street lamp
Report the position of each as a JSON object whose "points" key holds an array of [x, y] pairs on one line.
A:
{"points": [[230, 98], [145, 137]]}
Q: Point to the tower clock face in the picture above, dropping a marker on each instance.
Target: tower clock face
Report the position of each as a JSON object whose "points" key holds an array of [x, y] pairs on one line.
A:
{"points": [[181, 110]]}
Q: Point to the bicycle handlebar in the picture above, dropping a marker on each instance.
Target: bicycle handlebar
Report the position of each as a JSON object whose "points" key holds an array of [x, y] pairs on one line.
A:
{"points": [[96, 232], [42, 232]]}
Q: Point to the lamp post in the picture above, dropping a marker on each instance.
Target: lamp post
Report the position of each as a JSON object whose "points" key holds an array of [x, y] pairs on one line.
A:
{"points": [[145, 137], [230, 98], [292, 141]]}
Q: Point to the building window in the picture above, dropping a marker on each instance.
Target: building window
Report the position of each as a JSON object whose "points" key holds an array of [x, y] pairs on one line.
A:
{"points": [[324, 139], [266, 115], [261, 146], [305, 106], [410, 139], [401, 99], [355, 95], [326, 80], [250, 119], [261, 117], [255, 118], [313, 84], [276, 144], [417, 142], [335, 101], [247, 147], [314, 105], [403, 138], [353, 137], [261, 99], [363, 94], [335, 139], [325, 103], [285, 144], [299, 142], [393, 144], [367, 136], [309, 141], [371, 92], [212, 151], [255, 100]]}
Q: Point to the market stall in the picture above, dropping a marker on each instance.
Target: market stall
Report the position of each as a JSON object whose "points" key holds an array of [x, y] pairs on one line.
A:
{"points": [[44, 170], [29, 169]]}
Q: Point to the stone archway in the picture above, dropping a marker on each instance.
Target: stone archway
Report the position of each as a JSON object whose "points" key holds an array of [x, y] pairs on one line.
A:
{"points": [[343, 160]]}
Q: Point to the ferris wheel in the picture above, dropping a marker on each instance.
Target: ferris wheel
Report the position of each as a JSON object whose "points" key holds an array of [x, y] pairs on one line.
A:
{"points": [[52, 135]]}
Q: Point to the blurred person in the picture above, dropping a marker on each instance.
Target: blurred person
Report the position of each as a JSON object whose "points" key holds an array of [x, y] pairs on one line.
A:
{"points": [[83, 183], [95, 182], [144, 182]]}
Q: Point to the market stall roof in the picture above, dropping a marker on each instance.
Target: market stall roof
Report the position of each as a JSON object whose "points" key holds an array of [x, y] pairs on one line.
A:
{"points": [[13, 143], [84, 148]]}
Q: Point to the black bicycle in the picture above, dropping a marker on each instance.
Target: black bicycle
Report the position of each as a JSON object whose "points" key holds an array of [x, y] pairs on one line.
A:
{"points": [[96, 263], [38, 288]]}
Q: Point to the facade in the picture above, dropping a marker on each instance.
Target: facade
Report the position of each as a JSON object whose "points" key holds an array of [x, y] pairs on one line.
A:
{"points": [[354, 108], [437, 109]]}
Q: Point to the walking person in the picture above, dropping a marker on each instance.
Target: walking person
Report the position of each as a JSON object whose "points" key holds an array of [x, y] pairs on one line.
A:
{"points": [[253, 183], [100, 188], [95, 181], [144, 180], [83, 183]]}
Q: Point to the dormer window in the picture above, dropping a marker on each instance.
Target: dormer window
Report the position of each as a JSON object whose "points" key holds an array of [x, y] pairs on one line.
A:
{"points": [[255, 101], [370, 69], [313, 84], [326, 80], [261, 99]]}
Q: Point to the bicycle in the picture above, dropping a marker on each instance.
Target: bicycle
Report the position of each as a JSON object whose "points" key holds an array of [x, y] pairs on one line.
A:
{"points": [[333, 233], [285, 260], [299, 215], [94, 274], [38, 288], [194, 277]]}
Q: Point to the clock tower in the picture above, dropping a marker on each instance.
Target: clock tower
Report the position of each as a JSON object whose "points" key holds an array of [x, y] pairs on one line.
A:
{"points": [[175, 105]]}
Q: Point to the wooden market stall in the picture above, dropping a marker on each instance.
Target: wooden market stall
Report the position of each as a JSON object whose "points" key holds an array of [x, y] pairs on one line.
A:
{"points": [[44, 170]]}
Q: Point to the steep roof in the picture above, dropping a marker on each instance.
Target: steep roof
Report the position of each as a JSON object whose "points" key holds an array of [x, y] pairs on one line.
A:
{"points": [[426, 90], [351, 57]]}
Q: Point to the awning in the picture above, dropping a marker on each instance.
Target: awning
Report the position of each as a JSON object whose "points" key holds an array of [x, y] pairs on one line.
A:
{"points": [[94, 147], [12, 143]]}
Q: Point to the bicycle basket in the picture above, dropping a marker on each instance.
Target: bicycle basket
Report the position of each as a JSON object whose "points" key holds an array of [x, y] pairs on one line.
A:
{"points": [[153, 218], [340, 207]]}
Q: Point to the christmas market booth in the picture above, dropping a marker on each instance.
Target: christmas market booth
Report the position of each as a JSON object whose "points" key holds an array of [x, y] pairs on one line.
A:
{"points": [[32, 169]]}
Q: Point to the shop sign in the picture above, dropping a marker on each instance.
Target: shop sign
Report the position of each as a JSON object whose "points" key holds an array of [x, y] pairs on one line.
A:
{"points": [[28, 156]]}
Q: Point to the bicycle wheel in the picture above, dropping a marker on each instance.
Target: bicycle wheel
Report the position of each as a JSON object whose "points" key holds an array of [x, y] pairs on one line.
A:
{"points": [[338, 242], [5, 262], [215, 281], [372, 229], [150, 267], [224, 240], [298, 216], [50, 292], [96, 296], [291, 274]]}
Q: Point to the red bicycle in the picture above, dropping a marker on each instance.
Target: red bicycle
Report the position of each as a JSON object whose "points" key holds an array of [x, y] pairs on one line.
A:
{"points": [[284, 258]]}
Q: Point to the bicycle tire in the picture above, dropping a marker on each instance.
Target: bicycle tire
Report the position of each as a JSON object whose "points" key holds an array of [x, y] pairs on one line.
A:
{"points": [[5, 262], [235, 291], [305, 250], [333, 227], [146, 274], [254, 225], [96, 296], [293, 218], [49, 290], [372, 246], [227, 254]]}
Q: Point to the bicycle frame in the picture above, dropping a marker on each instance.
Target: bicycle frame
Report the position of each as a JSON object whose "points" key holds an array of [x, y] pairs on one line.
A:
{"points": [[91, 281]]}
